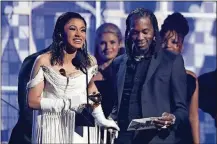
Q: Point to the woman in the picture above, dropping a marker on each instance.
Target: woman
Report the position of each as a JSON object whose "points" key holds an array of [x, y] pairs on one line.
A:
{"points": [[57, 89], [173, 32], [108, 45]]}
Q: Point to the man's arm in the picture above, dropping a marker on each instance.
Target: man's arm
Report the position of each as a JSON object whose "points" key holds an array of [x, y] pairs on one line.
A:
{"points": [[193, 111], [115, 67], [194, 116], [179, 91], [23, 78], [113, 114], [207, 100]]}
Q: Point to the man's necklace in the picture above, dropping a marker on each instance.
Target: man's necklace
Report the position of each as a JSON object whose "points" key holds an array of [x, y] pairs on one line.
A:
{"points": [[139, 58]]}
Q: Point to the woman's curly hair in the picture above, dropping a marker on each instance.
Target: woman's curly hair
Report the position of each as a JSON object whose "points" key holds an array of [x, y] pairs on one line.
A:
{"points": [[175, 22]]}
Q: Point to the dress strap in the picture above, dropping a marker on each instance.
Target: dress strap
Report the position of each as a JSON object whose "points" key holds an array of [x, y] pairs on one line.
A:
{"points": [[37, 79]]}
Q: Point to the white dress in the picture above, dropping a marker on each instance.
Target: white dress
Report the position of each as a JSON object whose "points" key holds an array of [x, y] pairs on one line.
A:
{"points": [[53, 127]]}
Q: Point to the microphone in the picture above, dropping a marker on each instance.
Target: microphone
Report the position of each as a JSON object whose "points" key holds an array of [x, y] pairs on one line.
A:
{"points": [[62, 71]]}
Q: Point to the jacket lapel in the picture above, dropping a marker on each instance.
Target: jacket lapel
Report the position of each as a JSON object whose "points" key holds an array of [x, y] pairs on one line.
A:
{"points": [[121, 78], [155, 61]]}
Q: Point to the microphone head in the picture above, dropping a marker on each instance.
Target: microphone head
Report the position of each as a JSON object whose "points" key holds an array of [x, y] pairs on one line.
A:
{"points": [[62, 71]]}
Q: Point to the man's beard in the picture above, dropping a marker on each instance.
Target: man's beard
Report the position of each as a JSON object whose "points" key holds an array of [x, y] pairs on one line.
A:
{"points": [[146, 46], [140, 51]]}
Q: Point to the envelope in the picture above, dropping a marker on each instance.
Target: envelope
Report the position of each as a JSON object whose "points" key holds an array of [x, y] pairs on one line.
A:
{"points": [[142, 124]]}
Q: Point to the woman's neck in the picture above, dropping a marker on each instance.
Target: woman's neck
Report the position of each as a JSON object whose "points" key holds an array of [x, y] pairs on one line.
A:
{"points": [[69, 56], [104, 65]]}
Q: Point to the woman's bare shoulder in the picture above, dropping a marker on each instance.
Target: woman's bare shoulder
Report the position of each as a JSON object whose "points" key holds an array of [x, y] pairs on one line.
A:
{"points": [[43, 59], [93, 61], [191, 73]]}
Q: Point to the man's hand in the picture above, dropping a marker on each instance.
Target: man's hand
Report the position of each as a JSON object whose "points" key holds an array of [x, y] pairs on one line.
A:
{"points": [[165, 121]]}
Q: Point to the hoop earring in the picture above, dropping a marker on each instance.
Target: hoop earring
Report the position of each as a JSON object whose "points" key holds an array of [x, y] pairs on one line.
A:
{"points": [[132, 47], [60, 35], [84, 45], [128, 35], [61, 43]]}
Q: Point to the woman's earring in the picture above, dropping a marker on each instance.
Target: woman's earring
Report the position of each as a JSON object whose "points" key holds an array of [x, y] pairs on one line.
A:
{"points": [[133, 45], [84, 46], [61, 43], [60, 36]]}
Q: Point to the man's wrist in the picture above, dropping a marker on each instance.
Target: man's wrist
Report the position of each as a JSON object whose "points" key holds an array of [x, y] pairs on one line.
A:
{"points": [[174, 119]]}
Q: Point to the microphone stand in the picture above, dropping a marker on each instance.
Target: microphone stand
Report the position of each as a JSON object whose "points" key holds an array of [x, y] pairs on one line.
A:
{"points": [[86, 70], [9, 104], [88, 128], [112, 136]]}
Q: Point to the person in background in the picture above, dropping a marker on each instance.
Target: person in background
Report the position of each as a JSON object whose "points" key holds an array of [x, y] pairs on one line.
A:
{"points": [[108, 45], [207, 93], [207, 88], [22, 132], [173, 32]]}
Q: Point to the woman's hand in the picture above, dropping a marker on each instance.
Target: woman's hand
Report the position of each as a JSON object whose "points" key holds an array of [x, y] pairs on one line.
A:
{"points": [[101, 120]]}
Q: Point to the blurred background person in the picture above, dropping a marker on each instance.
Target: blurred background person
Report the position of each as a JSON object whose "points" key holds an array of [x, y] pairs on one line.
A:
{"points": [[207, 93], [207, 87], [108, 45], [173, 31], [22, 132]]}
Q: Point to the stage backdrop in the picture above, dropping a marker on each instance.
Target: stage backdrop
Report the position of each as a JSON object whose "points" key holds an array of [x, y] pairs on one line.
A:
{"points": [[27, 27]]}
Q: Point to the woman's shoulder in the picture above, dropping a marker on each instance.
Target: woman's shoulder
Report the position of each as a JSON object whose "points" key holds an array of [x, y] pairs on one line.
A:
{"points": [[43, 59], [191, 78], [93, 60], [191, 74]]}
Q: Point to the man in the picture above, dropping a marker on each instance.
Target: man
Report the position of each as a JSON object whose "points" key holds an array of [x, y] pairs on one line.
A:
{"points": [[207, 93], [207, 89], [22, 132], [149, 82]]}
